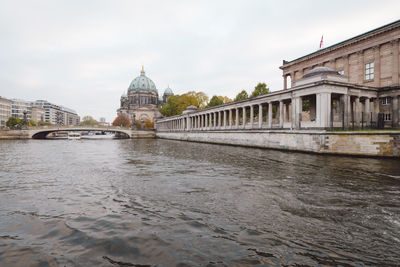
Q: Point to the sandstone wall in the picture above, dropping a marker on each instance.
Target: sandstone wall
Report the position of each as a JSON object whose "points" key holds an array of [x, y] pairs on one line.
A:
{"points": [[349, 143]]}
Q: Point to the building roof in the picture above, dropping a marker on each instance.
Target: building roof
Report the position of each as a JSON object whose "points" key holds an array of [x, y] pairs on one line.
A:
{"points": [[335, 46], [320, 70], [142, 82], [168, 91]]}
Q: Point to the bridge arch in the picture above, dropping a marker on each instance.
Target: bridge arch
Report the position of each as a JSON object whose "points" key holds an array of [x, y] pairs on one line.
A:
{"points": [[42, 133]]}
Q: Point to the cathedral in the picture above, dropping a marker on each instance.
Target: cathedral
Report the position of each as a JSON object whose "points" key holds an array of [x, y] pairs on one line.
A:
{"points": [[141, 101]]}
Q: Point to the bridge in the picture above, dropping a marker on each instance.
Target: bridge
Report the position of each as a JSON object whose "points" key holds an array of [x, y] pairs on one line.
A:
{"points": [[42, 131]]}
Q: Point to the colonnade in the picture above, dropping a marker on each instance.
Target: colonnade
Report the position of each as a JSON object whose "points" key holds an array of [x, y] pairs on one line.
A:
{"points": [[285, 113]]}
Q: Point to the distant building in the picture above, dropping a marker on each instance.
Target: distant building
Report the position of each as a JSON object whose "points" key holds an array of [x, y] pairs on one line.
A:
{"points": [[37, 114], [102, 122], [141, 101], [5, 110], [18, 107], [57, 114]]}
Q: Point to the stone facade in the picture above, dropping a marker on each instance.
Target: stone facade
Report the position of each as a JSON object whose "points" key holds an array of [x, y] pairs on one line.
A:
{"points": [[5, 111], [141, 101], [38, 114], [370, 59], [377, 144]]}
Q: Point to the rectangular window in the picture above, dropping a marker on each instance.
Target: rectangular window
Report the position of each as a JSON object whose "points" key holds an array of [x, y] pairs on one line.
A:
{"points": [[341, 72], [369, 71], [387, 117], [385, 101]]}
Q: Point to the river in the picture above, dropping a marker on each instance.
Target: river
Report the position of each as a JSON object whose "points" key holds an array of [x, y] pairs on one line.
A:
{"points": [[171, 203]]}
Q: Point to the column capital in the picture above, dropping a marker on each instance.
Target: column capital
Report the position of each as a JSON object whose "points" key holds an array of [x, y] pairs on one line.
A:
{"points": [[395, 41], [376, 48]]}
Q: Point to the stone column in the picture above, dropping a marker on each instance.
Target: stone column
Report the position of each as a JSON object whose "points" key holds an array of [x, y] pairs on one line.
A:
{"points": [[269, 114], [292, 79], [346, 65], [280, 114], [206, 121], [367, 112], [230, 117], [395, 70], [377, 66], [395, 112], [237, 117], [376, 110], [357, 112], [284, 81], [215, 119], [224, 118], [251, 116], [362, 67], [346, 108], [298, 108], [219, 119], [244, 117], [260, 115]]}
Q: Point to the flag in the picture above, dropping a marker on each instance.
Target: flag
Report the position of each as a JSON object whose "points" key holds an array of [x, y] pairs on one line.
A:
{"points": [[322, 41]]}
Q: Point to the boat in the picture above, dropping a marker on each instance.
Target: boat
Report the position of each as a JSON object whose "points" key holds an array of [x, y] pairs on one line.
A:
{"points": [[99, 135], [74, 136]]}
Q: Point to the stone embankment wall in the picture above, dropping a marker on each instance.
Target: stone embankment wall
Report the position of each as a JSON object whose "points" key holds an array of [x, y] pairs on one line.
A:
{"points": [[346, 143], [14, 134]]}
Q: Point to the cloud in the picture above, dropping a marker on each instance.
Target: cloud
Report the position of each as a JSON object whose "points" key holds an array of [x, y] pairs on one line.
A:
{"points": [[84, 54]]}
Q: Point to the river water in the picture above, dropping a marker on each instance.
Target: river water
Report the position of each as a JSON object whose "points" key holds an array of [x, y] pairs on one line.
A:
{"points": [[171, 203]]}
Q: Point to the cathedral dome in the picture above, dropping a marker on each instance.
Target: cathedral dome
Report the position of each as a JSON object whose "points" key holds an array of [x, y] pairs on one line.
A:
{"points": [[168, 91], [142, 82]]}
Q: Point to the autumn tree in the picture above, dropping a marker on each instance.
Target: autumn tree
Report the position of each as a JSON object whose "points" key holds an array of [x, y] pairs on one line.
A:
{"points": [[176, 104], [225, 99], [122, 120], [241, 96], [260, 89]]}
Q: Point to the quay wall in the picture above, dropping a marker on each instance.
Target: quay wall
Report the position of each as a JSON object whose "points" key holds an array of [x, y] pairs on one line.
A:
{"points": [[14, 134], [376, 144]]}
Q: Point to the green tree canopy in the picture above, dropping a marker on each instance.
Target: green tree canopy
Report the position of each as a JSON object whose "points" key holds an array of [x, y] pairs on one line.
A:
{"points": [[122, 120], [260, 89], [88, 120], [242, 95], [215, 101], [13, 122], [176, 104]]}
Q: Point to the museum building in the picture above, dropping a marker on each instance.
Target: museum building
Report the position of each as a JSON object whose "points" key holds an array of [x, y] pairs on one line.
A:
{"points": [[352, 84], [141, 101]]}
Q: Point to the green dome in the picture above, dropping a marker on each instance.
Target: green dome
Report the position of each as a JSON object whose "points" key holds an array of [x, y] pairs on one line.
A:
{"points": [[168, 91], [142, 82]]}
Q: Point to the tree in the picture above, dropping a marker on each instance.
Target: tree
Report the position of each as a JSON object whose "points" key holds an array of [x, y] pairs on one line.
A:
{"points": [[260, 89], [31, 123], [13, 122], [89, 121], [242, 95], [176, 104], [122, 120], [225, 99], [149, 124], [215, 101]]}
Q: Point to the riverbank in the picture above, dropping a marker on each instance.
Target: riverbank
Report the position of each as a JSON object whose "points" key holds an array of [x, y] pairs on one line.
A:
{"points": [[40, 133], [357, 143]]}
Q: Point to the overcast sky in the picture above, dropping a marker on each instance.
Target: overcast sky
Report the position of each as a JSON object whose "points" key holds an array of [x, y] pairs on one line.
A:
{"points": [[84, 54]]}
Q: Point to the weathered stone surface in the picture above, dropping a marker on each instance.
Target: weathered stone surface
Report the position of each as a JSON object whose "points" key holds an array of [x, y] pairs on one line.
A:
{"points": [[351, 143]]}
